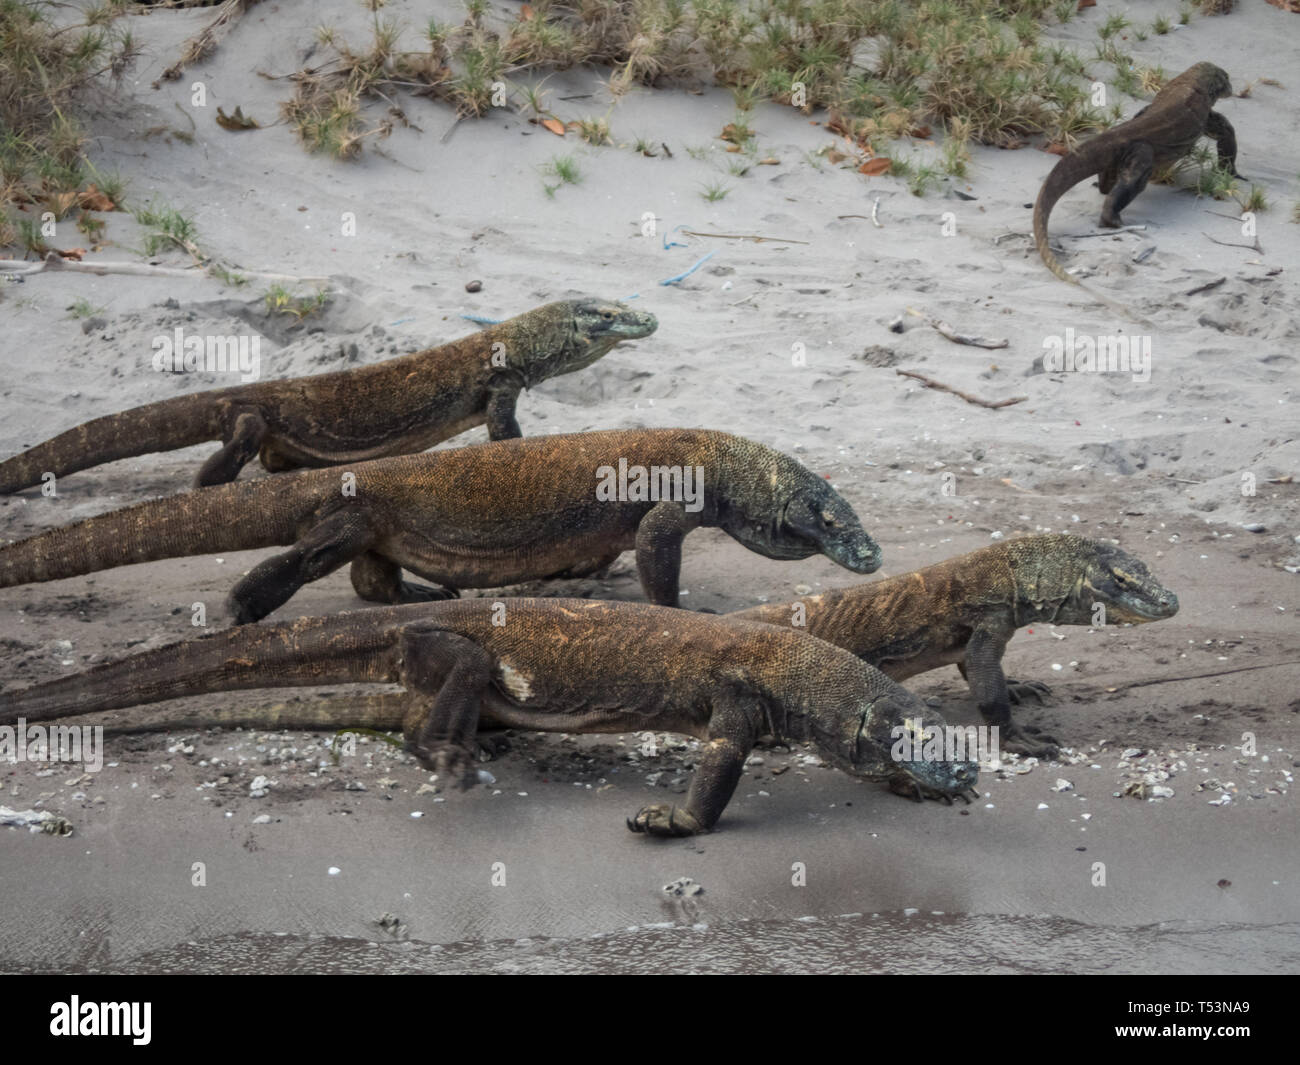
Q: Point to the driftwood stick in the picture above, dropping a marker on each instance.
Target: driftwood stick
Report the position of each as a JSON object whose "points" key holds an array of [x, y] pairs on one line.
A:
{"points": [[54, 262], [1205, 287], [1199, 676], [1229, 244], [930, 382], [744, 236], [1104, 232], [948, 331]]}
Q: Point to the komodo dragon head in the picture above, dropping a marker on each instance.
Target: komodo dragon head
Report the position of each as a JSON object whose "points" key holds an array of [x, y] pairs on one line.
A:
{"points": [[779, 508], [886, 741], [1063, 579], [1211, 80], [568, 335]]}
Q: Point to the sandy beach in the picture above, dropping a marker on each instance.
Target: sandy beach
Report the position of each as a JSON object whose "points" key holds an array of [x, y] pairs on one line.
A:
{"points": [[360, 866]]}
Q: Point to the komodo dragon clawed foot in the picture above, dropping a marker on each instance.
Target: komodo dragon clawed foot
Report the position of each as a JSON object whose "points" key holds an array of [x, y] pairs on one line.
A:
{"points": [[1019, 690], [1028, 741], [665, 819], [454, 764], [492, 745]]}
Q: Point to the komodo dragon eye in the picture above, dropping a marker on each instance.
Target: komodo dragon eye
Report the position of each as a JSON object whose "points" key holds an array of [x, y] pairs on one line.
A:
{"points": [[607, 315]]}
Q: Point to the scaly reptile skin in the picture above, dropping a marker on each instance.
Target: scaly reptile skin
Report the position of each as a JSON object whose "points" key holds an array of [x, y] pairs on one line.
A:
{"points": [[474, 517], [396, 407], [1126, 155], [553, 665], [964, 610]]}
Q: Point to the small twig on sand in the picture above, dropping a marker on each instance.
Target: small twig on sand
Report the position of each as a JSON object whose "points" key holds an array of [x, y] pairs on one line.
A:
{"points": [[745, 300], [875, 208], [54, 262], [1105, 232], [930, 382], [1229, 244], [1205, 287], [1018, 487], [957, 338], [744, 236], [1199, 676]]}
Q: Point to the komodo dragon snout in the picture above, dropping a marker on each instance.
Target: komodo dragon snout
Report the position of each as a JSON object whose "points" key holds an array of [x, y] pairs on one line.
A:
{"points": [[824, 521], [888, 742], [597, 326], [1127, 588]]}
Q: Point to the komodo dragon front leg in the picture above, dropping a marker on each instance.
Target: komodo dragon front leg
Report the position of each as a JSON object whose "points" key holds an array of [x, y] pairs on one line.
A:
{"points": [[446, 676], [983, 672], [1220, 130], [501, 421], [722, 760], [659, 539]]}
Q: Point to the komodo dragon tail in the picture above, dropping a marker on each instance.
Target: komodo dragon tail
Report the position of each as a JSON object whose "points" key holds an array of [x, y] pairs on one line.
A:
{"points": [[1067, 173], [227, 517], [165, 426], [307, 652]]}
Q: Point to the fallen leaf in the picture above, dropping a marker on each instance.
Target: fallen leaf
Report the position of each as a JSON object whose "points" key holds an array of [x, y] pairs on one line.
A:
{"points": [[554, 125], [526, 12], [771, 160], [72, 253], [920, 132], [878, 165], [1056, 148], [236, 122], [1086, 3], [94, 200], [733, 147], [1287, 5]]}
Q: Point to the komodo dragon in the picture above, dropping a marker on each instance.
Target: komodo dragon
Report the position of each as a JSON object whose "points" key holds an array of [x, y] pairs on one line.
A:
{"points": [[483, 516], [554, 665], [396, 407], [964, 611], [1126, 155]]}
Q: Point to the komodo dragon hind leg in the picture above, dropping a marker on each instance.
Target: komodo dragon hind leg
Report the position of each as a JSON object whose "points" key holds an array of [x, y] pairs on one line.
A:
{"points": [[379, 580], [246, 437], [1132, 177], [275, 460], [659, 551], [335, 540], [722, 760], [453, 672]]}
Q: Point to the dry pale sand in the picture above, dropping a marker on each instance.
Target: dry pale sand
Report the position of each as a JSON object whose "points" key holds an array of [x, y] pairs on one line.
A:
{"points": [[1156, 465]]}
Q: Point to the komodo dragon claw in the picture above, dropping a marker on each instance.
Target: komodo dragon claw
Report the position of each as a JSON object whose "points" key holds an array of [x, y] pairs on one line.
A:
{"points": [[452, 763], [664, 819], [1019, 690], [1028, 741]]}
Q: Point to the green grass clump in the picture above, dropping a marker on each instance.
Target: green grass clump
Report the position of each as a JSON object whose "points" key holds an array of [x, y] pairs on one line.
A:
{"points": [[47, 72]]}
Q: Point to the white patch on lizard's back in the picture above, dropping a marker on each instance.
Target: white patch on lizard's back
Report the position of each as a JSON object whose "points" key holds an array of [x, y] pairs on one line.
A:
{"points": [[516, 682]]}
